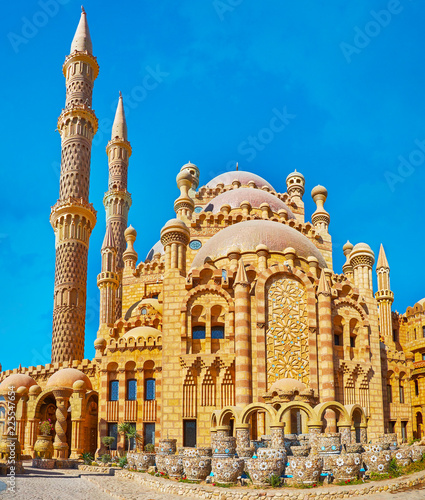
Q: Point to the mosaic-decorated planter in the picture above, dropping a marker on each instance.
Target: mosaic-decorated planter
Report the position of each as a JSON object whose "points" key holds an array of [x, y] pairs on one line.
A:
{"points": [[271, 453], [260, 469], [174, 465], [195, 452], [160, 462], [377, 462], [403, 456], [167, 447], [224, 447], [43, 447], [345, 467], [372, 448], [140, 461], [245, 452], [303, 470], [227, 470], [329, 444], [301, 451], [417, 452], [354, 448], [196, 468]]}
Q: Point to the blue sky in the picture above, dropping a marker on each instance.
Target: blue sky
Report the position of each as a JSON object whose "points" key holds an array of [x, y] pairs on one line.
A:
{"points": [[350, 80]]}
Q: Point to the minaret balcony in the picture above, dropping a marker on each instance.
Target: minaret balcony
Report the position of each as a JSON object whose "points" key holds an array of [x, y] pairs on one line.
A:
{"points": [[382, 295]]}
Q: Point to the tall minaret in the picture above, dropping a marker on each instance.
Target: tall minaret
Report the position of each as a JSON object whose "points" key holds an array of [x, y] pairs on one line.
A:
{"points": [[117, 199], [73, 217], [384, 295]]}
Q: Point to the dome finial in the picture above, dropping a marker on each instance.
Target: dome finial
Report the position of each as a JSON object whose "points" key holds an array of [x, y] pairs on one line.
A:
{"points": [[237, 166], [82, 9]]}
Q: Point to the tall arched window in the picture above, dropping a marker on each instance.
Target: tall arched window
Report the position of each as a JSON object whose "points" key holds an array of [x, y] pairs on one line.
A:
{"points": [[2, 420]]}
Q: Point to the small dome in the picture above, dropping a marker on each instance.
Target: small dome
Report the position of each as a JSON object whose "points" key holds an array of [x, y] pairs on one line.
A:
{"points": [[287, 384], [319, 191], [17, 380], [347, 247], [100, 342], [157, 248], [141, 331], [243, 177], [255, 197], [295, 174], [247, 235], [66, 377], [130, 231], [177, 223]]}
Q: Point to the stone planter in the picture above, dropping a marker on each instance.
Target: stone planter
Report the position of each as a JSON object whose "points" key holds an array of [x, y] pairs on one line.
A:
{"points": [[377, 462], [271, 453], [43, 447], [372, 448], [301, 451], [195, 452], [196, 468], [304, 470], [245, 452], [345, 467], [227, 470], [167, 446], [417, 452], [391, 439], [161, 463], [140, 461], [174, 465], [260, 469], [403, 456], [354, 448], [329, 444], [224, 447], [44, 463]]}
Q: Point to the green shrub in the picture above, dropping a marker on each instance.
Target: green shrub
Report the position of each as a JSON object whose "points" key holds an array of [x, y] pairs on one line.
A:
{"points": [[274, 481], [122, 462], [106, 458], [87, 458], [149, 448]]}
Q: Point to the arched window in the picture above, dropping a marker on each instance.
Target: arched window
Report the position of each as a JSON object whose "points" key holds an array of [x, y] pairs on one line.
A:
{"points": [[2, 420], [401, 392], [217, 332], [131, 389], [149, 389], [416, 388], [198, 332], [113, 390]]}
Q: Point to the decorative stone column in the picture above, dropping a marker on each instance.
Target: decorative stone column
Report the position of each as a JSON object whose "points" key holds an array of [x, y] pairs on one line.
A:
{"points": [[261, 423], [31, 428], [314, 429], [222, 431], [60, 444], [363, 433], [78, 413], [278, 436], [243, 389], [242, 437], [286, 420], [344, 429]]}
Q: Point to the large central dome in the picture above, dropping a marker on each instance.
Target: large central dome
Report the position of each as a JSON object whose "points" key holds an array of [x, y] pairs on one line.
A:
{"points": [[243, 177], [249, 234]]}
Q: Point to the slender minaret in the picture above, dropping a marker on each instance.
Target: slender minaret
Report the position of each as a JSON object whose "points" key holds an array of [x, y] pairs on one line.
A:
{"points": [[107, 280], [384, 295], [73, 217], [117, 199]]}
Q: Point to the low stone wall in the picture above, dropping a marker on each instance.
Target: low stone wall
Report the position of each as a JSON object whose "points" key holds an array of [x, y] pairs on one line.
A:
{"points": [[108, 471], [210, 492]]}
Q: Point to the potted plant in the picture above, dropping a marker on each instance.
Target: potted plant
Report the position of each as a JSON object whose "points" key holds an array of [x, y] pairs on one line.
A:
{"points": [[43, 447]]}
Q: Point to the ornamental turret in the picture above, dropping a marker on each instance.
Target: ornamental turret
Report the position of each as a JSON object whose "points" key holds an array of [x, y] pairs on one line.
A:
{"points": [[362, 259], [117, 199], [73, 217], [384, 295], [295, 187]]}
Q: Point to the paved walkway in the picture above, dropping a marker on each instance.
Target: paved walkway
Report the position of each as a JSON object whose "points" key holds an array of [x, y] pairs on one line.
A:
{"points": [[40, 484]]}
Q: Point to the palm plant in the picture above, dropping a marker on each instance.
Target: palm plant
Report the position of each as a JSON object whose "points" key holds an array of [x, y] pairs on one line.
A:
{"points": [[108, 441], [129, 431]]}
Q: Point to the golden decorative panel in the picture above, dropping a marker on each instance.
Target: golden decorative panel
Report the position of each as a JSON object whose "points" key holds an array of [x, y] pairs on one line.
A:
{"points": [[287, 332]]}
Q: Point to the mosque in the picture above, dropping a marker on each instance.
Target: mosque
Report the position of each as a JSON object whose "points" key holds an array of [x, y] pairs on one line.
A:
{"points": [[235, 319]]}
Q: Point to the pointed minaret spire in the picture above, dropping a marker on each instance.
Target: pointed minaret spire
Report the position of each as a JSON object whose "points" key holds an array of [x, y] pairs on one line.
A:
{"points": [[119, 128], [82, 40], [241, 277], [382, 259], [108, 240]]}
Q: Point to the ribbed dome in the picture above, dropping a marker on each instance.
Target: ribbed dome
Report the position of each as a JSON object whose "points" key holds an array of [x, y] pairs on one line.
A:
{"points": [[67, 377], [157, 248], [243, 177], [247, 235], [17, 380], [141, 331], [256, 197]]}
